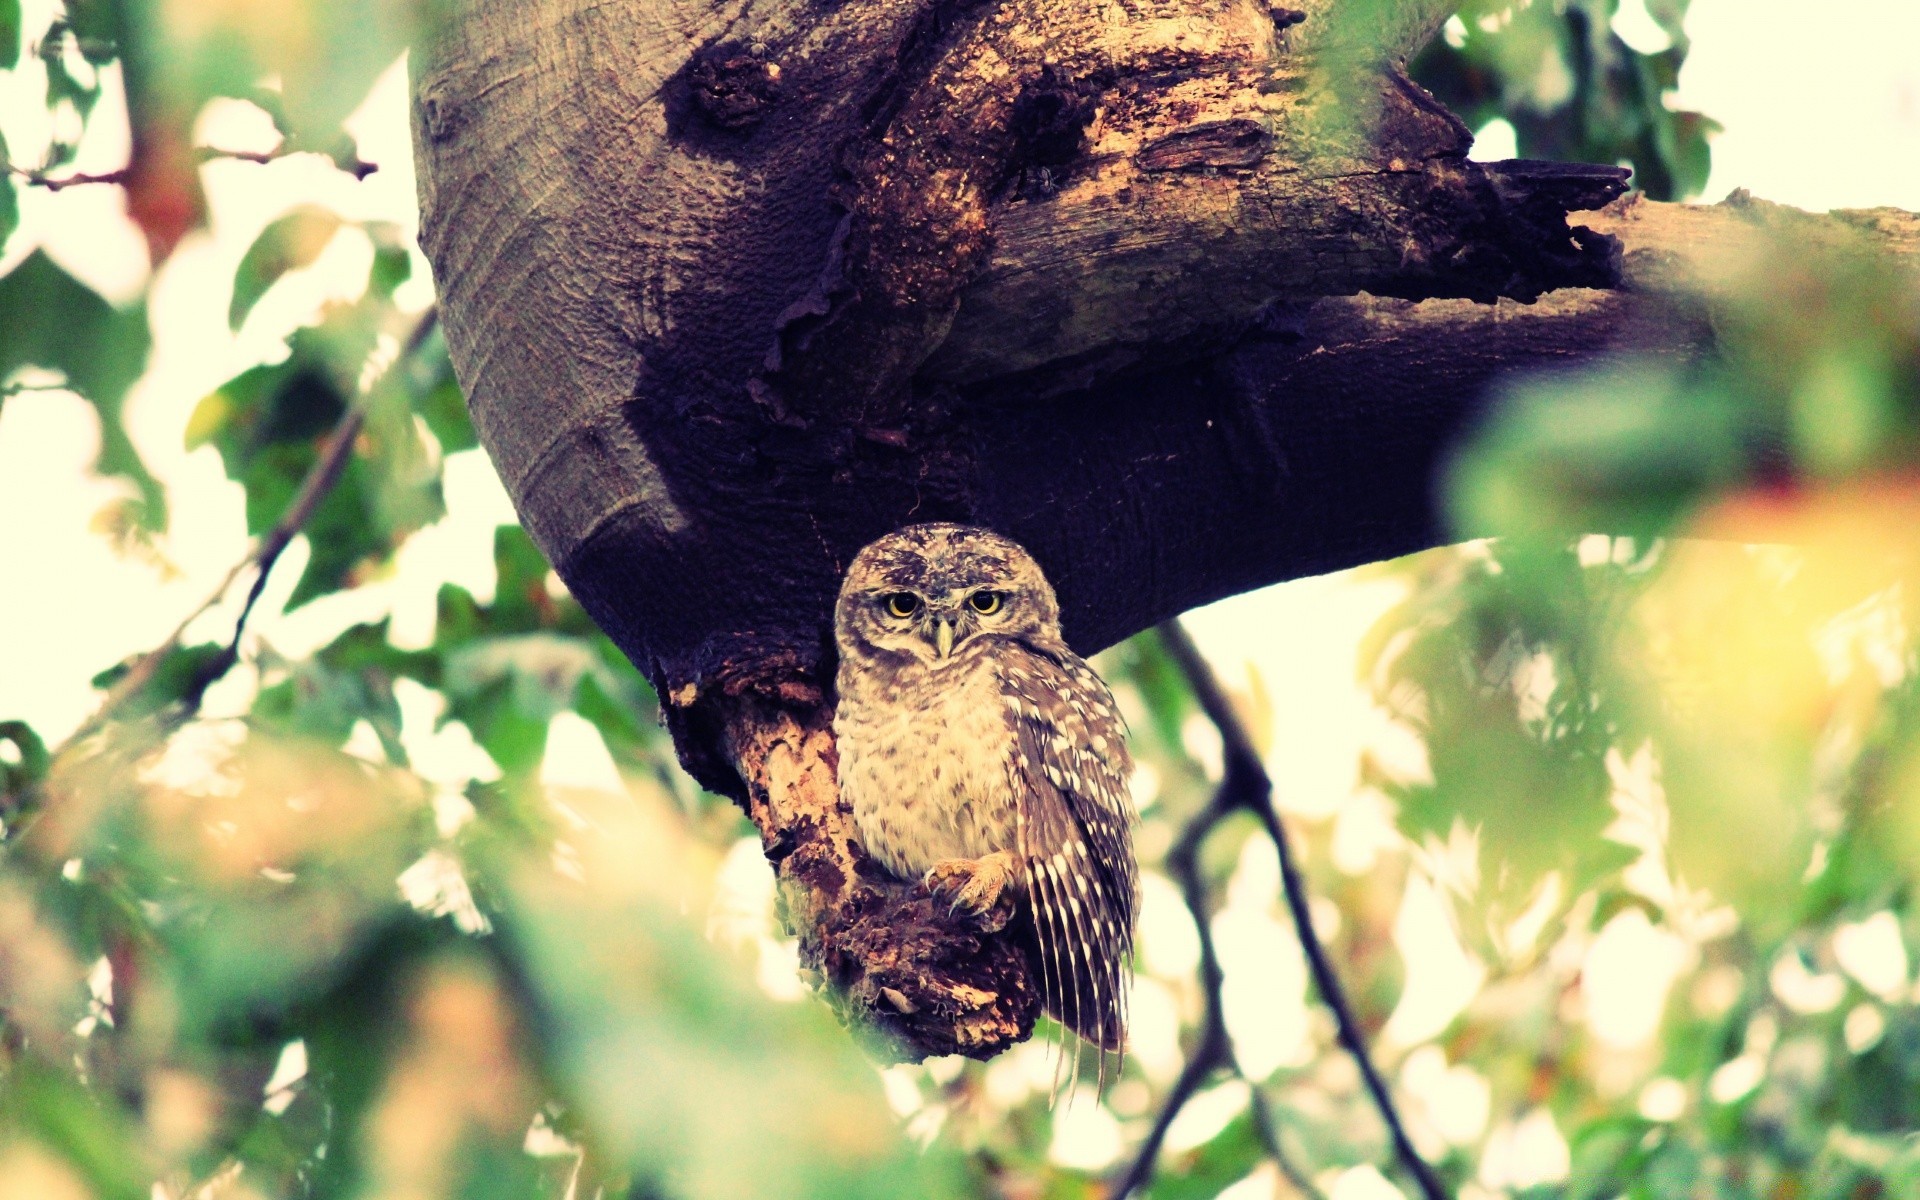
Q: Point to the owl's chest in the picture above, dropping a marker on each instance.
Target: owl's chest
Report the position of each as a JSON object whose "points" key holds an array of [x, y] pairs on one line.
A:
{"points": [[923, 763]]}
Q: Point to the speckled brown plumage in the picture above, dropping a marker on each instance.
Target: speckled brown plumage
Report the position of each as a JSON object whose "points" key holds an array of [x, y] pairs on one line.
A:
{"points": [[982, 755]]}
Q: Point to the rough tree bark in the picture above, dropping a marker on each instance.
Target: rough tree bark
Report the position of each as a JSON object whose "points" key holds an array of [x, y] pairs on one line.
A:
{"points": [[1189, 296]]}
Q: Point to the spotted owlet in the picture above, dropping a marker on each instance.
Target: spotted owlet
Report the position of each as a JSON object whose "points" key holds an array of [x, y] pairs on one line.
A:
{"points": [[983, 756]]}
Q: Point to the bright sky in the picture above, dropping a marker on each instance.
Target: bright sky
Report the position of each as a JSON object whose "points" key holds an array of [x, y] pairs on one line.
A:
{"points": [[1819, 112]]}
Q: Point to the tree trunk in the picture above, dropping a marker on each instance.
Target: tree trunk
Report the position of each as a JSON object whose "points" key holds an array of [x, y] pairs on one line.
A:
{"points": [[1188, 296]]}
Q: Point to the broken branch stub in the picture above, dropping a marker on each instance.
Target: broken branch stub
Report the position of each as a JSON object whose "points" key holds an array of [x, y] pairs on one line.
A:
{"points": [[895, 960]]}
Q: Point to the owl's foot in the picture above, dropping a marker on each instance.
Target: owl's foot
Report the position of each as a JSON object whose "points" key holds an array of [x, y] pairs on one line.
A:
{"points": [[978, 885]]}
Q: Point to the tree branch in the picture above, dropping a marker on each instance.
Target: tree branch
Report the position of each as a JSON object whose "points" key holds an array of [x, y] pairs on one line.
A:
{"points": [[352, 165], [1214, 1049], [54, 183], [893, 961], [319, 481], [1246, 787], [1116, 291]]}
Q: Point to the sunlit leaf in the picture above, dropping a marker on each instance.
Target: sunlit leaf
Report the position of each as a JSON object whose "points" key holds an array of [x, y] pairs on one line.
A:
{"points": [[348, 681], [9, 195], [270, 423], [9, 47], [81, 1127], [1624, 450], [1573, 90], [392, 260], [437, 396], [1206, 1171], [290, 242], [54, 322], [325, 57], [180, 673], [290, 850], [25, 763], [680, 1068]]}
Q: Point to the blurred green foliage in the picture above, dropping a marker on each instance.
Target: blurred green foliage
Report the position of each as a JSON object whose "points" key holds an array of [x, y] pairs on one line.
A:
{"points": [[55, 323], [280, 954], [1572, 89]]}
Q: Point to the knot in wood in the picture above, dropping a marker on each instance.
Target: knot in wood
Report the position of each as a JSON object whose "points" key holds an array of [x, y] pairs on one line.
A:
{"points": [[1236, 142], [1048, 122], [1284, 18], [734, 85]]}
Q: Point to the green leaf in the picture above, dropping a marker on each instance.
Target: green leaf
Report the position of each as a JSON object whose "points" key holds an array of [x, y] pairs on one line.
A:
{"points": [[87, 1129], [626, 718], [507, 690], [291, 242], [9, 45], [269, 424], [182, 671], [1505, 666], [89, 23], [661, 1042], [50, 320], [520, 596], [438, 399], [392, 259], [1573, 90], [348, 681], [325, 57], [27, 764], [1625, 450], [9, 197], [1211, 1168], [96, 25]]}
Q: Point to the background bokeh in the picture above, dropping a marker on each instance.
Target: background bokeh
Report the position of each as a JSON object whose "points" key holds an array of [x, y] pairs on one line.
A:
{"points": [[1612, 836]]}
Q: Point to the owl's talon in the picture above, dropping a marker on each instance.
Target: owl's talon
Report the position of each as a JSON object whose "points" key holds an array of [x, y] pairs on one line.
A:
{"points": [[978, 886]]}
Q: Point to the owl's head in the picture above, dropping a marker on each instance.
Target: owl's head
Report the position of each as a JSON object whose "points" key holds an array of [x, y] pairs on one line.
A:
{"points": [[927, 590]]}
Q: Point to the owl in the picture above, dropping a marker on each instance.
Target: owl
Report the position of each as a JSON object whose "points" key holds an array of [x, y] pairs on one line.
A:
{"points": [[980, 755]]}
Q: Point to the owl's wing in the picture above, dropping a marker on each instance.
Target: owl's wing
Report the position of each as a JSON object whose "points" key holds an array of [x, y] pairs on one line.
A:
{"points": [[1075, 839]]}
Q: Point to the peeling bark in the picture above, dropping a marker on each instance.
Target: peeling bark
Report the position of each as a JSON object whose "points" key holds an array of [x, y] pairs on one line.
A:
{"points": [[1188, 296]]}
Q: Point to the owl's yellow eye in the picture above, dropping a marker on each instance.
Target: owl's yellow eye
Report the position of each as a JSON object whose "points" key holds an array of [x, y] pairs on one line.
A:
{"points": [[902, 604], [986, 603]]}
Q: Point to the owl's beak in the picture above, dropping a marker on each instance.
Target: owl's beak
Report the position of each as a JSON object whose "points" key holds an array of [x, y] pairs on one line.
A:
{"points": [[943, 636]]}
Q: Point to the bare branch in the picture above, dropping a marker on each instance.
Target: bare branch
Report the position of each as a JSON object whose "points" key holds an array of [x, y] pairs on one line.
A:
{"points": [[54, 183], [320, 480], [1246, 787], [1214, 1051], [352, 165]]}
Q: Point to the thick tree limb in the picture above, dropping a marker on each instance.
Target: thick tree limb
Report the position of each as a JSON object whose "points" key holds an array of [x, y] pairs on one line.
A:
{"points": [[895, 959], [734, 288]]}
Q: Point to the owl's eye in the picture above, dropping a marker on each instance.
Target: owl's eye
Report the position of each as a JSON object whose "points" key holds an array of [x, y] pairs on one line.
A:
{"points": [[986, 603], [901, 604]]}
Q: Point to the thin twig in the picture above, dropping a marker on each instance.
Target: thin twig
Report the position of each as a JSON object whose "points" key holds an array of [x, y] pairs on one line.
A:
{"points": [[1269, 1133], [54, 183], [1243, 785], [1211, 1052], [356, 167], [1253, 794], [147, 665], [320, 480]]}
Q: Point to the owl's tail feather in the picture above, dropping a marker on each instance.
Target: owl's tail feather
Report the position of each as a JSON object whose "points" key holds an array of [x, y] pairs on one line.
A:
{"points": [[1082, 942]]}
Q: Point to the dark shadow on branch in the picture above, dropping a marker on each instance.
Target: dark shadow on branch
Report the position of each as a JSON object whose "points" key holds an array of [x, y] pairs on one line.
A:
{"points": [[1245, 787]]}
